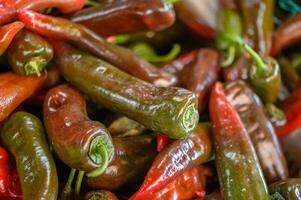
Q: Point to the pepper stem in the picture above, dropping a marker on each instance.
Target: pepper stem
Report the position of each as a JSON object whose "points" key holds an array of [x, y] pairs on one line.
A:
{"points": [[67, 189], [104, 164], [229, 56], [34, 66], [78, 184], [259, 62]]}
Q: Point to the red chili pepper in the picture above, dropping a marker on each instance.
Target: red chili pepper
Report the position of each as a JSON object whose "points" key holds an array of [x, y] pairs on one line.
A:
{"points": [[7, 33], [162, 141], [10, 9]]}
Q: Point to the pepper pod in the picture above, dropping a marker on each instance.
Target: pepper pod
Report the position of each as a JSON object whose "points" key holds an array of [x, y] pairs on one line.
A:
{"points": [[80, 143], [290, 189], [23, 135], [99, 195]]}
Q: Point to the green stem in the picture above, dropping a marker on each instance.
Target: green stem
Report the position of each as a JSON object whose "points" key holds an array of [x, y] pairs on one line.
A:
{"points": [[78, 184], [171, 1], [91, 3], [229, 56], [261, 69], [67, 189], [104, 164]]}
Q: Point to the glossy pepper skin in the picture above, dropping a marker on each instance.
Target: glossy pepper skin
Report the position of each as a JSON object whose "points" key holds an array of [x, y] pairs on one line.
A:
{"points": [[287, 34], [15, 89], [126, 16], [261, 131], [133, 157], [185, 186], [173, 160], [238, 168], [29, 53], [80, 143], [10, 8], [23, 135], [290, 189], [289, 74], [100, 195], [258, 26], [58, 28], [7, 33], [168, 110], [200, 77]]}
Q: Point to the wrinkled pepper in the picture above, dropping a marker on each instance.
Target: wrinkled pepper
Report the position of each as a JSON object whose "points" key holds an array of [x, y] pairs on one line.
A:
{"points": [[287, 34], [7, 33], [100, 195], [133, 157], [168, 110], [258, 26], [126, 16], [125, 59], [23, 135], [15, 89], [290, 189], [80, 143], [200, 77], [9, 10], [239, 172], [173, 160], [123, 127], [29, 53], [185, 186], [252, 114]]}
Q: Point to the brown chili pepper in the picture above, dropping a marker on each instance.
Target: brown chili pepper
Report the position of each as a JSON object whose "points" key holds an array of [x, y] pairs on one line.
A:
{"points": [[100, 195]]}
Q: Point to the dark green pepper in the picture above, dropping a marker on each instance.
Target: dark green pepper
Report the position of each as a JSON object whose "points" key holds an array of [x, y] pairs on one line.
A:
{"points": [[290, 189], [289, 73], [29, 53], [133, 157], [169, 110], [23, 135], [100, 195], [79, 142]]}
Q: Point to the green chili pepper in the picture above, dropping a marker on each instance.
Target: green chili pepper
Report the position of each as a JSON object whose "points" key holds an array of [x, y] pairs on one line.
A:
{"points": [[168, 110], [290, 189], [23, 135], [29, 53]]}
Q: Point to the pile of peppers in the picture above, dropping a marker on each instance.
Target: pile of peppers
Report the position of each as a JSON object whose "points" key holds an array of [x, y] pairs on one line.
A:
{"points": [[150, 100]]}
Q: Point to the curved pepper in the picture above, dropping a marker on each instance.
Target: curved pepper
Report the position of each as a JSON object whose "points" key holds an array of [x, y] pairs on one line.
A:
{"points": [[15, 89], [168, 110], [23, 135], [126, 16], [287, 34], [7, 33], [185, 186], [258, 26], [133, 156], [251, 111], [29, 53], [79, 142], [59, 28], [100, 195], [173, 160], [238, 169], [9, 11], [290, 189]]}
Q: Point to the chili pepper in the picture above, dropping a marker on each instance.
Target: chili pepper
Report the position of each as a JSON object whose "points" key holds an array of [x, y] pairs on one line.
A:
{"points": [[230, 31], [15, 186], [290, 189], [173, 160], [162, 142], [201, 76], [23, 135], [275, 115], [9, 11], [172, 111], [287, 34], [123, 58], [185, 186], [238, 168], [79, 142], [258, 26], [15, 89], [123, 127], [7, 33], [289, 74], [126, 16], [264, 76], [261, 131], [100, 194], [133, 156], [29, 53]]}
